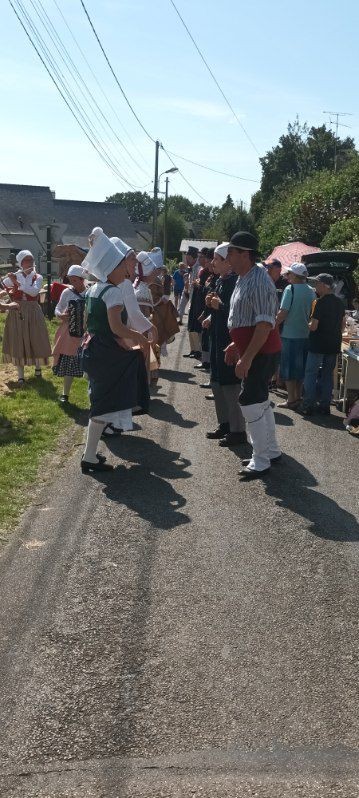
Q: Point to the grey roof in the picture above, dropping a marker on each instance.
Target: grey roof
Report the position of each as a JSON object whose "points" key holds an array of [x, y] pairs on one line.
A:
{"points": [[21, 206]]}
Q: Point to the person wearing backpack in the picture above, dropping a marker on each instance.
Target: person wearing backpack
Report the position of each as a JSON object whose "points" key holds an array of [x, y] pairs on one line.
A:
{"points": [[294, 314]]}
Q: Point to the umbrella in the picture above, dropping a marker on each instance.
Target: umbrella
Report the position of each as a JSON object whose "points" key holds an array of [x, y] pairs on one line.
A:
{"points": [[291, 253]]}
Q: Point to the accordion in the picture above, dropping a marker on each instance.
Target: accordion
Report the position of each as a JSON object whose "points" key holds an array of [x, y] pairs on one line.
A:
{"points": [[76, 318]]}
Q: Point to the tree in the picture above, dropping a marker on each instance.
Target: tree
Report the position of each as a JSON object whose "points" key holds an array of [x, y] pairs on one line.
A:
{"points": [[299, 153], [176, 231], [307, 210], [139, 204], [229, 220]]}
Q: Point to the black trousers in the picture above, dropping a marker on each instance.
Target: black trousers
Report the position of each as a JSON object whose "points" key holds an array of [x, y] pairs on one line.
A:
{"points": [[255, 386]]}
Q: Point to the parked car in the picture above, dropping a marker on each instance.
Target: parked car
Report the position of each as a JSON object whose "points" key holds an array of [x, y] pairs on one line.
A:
{"points": [[341, 264]]}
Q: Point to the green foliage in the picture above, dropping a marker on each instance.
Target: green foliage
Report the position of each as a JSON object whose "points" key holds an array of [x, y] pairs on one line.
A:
{"points": [[139, 204], [176, 230], [172, 264], [299, 153], [306, 211], [342, 234], [228, 220]]}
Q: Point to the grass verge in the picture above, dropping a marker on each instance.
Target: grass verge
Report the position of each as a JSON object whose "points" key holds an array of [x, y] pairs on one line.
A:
{"points": [[31, 424]]}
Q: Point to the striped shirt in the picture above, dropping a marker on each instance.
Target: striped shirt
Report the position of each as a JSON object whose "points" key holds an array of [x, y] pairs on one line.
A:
{"points": [[254, 299]]}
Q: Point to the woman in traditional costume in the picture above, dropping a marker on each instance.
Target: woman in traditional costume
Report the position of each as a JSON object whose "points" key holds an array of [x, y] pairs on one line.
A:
{"points": [[117, 373], [164, 315], [26, 341], [70, 311]]}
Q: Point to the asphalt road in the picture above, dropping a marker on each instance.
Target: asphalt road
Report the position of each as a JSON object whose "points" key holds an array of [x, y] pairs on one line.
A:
{"points": [[169, 631]]}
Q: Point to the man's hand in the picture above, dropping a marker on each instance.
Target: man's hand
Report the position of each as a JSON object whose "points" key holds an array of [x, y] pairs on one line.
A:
{"points": [[208, 299], [242, 367], [215, 302], [231, 354], [206, 323]]}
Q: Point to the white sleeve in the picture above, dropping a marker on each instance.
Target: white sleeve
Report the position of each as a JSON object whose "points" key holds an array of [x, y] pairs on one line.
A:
{"points": [[35, 288], [63, 303], [113, 297], [136, 320]]}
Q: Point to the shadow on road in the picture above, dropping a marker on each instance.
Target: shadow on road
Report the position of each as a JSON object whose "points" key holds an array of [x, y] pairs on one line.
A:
{"points": [[143, 487], [166, 412], [290, 484], [177, 376], [283, 420]]}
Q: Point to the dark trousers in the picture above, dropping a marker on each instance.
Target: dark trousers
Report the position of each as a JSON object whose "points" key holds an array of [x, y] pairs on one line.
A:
{"points": [[255, 387]]}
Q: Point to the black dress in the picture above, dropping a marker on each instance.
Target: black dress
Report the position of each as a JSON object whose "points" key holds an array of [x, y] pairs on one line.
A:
{"points": [[220, 338]]}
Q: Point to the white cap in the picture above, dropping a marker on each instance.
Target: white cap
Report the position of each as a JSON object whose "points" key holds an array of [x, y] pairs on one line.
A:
{"points": [[299, 269], [76, 271], [102, 257], [122, 246], [147, 263], [25, 253], [222, 250], [157, 257]]}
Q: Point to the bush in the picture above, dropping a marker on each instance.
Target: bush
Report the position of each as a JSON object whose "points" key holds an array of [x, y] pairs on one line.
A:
{"points": [[306, 211], [341, 234]]}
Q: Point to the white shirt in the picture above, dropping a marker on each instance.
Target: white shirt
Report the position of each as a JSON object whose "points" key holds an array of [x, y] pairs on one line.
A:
{"points": [[143, 294], [67, 295], [122, 295], [254, 299], [28, 284]]}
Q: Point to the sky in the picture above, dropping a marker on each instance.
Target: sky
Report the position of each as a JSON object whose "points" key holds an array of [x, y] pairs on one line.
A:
{"points": [[273, 60]]}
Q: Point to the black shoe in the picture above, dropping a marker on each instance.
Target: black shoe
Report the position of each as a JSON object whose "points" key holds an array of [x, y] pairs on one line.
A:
{"points": [[234, 439], [305, 411], [273, 461], [197, 355], [101, 458], [205, 385], [63, 399], [99, 466], [190, 354], [114, 434], [220, 432], [248, 474], [209, 396], [324, 411], [202, 366]]}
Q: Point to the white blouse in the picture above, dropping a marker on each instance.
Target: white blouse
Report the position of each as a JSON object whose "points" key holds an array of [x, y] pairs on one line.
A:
{"points": [[67, 295], [143, 294], [124, 295], [28, 284]]}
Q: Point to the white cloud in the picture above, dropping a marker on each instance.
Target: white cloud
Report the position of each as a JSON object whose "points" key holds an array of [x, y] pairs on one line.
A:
{"points": [[202, 109]]}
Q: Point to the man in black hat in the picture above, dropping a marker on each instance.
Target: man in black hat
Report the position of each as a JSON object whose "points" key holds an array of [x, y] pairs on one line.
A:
{"points": [[194, 326], [254, 349], [324, 344]]}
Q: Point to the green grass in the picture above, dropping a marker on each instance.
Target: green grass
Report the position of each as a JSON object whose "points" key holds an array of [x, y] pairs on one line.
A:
{"points": [[31, 423]]}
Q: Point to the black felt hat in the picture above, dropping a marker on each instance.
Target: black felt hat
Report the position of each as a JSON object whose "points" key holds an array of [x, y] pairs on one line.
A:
{"points": [[192, 251], [243, 240]]}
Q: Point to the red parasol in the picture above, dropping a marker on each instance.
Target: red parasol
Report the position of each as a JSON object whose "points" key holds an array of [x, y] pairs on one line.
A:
{"points": [[291, 253]]}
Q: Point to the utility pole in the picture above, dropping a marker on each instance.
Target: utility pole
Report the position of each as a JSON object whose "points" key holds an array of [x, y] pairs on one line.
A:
{"points": [[336, 114], [165, 223], [48, 271], [155, 198]]}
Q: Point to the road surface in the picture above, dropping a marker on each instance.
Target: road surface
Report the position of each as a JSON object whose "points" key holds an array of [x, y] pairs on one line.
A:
{"points": [[169, 631]]}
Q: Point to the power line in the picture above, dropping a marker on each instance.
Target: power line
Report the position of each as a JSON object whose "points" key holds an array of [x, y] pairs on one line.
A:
{"points": [[214, 78], [68, 61], [113, 109], [210, 169], [63, 91], [114, 74], [183, 177]]}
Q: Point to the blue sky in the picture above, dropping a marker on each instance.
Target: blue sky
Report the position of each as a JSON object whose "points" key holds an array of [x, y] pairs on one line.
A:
{"points": [[274, 60]]}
